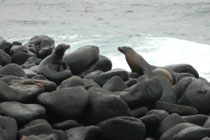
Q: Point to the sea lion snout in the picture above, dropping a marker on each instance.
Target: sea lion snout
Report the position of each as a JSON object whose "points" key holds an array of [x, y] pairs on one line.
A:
{"points": [[121, 49]]}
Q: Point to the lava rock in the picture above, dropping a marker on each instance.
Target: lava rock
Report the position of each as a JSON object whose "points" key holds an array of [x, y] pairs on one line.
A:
{"points": [[12, 69], [142, 94], [4, 58], [8, 127], [102, 63], [123, 128], [151, 122], [168, 134], [139, 112], [192, 133], [83, 56], [67, 124], [194, 92], [161, 113], [115, 84], [72, 82], [30, 62], [103, 105], [69, 103], [83, 133], [198, 119], [169, 122], [102, 77], [21, 112], [174, 108]]}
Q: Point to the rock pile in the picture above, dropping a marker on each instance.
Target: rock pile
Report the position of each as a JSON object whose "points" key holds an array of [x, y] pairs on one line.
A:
{"points": [[46, 94]]}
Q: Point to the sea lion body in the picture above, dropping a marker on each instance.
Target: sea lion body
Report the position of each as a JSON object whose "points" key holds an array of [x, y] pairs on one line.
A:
{"points": [[135, 61], [53, 67]]}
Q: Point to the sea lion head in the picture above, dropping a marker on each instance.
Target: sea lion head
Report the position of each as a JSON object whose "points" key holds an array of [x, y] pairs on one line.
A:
{"points": [[125, 49], [60, 49]]}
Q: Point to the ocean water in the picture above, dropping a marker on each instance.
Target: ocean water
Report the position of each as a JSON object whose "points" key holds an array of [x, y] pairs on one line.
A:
{"points": [[163, 31]]}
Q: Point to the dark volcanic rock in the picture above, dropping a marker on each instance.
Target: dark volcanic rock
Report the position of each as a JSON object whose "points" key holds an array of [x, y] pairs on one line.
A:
{"points": [[4, 45], [30, 62], [139, 112], [207, 123], [35, 128], [102, 77], [8, 127], [192, 133], [194, 92], [144, 93], [103, 64], [103, 105], [12, 69], [83, 56], [41, 137], [174, 108], [83, 133], [151, 122], [161, 113], [169, 122], [67, 103], [7, 93], [72, 82], [115, 84], [168, 134], [41, 45], [88, 83], [66, 124], [198, 119], [123, 128], [21, 112], [4, 58]]}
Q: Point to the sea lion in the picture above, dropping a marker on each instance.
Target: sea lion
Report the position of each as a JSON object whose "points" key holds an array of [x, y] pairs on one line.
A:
{"points": [[41, 45], [183, 68], [160, 72], [53, 67], [135, 61], [20, 54], [80, 59]]}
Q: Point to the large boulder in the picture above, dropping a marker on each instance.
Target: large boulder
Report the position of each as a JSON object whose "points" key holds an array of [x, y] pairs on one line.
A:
{"points": [[83, 133], [103, 105], [69, 103], [8, 127], [144, 93], [123, 128], [194, 92], [23, 113], [80, 59], [103, 63], [12, 69], [4, 58]]}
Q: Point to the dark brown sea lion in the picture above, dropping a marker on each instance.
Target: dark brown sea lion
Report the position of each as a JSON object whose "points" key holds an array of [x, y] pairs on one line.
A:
{"points": [[136, 61], [53, 67]]}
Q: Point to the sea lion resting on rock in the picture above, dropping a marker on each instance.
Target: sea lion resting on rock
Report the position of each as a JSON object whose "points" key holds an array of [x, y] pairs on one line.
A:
{"points": [[139, 65], [53, 67]]}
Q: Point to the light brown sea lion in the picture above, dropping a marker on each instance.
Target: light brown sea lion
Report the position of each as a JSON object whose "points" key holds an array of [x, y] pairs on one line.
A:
{"points": [[160, 72], [136, 61]]}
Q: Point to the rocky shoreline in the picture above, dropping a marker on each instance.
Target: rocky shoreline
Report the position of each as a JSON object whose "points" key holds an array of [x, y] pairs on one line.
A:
{"points": [[46, 94]]}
